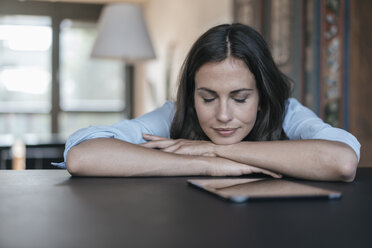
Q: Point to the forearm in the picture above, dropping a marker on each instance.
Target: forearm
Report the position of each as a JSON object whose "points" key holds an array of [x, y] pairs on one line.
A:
{"points": [[307, 159], [111, 157]]}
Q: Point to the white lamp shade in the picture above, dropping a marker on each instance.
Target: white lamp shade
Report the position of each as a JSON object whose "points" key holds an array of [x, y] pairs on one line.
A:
{"points": [[122, 34]]}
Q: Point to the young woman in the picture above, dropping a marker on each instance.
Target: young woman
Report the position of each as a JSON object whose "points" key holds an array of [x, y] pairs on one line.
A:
{"points": [[233, 116]]}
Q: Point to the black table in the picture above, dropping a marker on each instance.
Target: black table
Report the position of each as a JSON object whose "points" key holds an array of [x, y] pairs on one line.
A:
{"points": [[48, 208]]}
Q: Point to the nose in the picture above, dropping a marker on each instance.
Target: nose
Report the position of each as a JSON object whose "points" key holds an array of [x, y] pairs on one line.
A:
{"points": [[224, 112]]}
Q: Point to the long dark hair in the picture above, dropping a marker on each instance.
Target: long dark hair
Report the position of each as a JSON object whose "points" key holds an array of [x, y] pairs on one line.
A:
{"points": [[241, 42]]}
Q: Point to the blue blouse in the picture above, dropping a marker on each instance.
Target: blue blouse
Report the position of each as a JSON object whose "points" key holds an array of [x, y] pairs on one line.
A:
{"points": [[299, 123]]}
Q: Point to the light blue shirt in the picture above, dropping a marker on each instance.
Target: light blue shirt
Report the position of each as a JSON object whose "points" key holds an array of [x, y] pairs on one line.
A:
{"points": [[299, 123]]}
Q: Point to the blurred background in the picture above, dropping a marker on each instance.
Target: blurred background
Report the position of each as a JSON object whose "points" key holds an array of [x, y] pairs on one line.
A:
{"points": [[52, 82]]}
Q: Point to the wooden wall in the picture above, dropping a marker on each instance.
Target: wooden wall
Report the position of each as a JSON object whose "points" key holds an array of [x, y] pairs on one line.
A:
{"points": [[361, 76]]}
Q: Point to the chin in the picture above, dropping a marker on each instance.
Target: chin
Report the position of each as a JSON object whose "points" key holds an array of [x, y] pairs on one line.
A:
{"points": [[226, 141]]}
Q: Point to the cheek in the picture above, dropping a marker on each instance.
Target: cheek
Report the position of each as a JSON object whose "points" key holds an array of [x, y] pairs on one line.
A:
{"points": [[202, 112], [247, 115]]}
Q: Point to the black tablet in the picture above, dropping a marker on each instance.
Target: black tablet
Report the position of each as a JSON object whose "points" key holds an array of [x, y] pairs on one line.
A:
{"points": [[245, 189]]}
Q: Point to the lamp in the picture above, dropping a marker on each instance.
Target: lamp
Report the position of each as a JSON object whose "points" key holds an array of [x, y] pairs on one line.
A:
{"points": [[122, 34]]}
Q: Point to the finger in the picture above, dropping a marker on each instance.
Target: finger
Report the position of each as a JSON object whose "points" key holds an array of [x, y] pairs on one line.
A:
{"points": [[149, 144], [194, 148], [187, 150], [156, 141], [185, 147], [161, 144], [269, 173], [182, 146], [273, 174], [152, 137], [172, 148], [253, 169]]}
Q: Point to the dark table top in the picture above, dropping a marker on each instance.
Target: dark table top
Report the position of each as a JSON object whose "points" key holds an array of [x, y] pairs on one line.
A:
{"points": [[48, 208]]}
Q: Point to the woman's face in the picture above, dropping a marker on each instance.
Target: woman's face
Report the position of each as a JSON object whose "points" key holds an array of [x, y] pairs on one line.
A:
{"points": [[226, 100]]}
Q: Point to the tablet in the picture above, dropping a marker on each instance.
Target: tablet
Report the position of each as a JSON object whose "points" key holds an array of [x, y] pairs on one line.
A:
{"points": [[244, 189]]}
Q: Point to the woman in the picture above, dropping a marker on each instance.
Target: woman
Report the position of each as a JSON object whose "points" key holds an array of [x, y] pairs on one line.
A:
{"points": [[233, 116]]}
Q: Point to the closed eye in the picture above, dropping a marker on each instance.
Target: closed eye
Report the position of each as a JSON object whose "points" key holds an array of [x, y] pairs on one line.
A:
{"points": [[208, 99], [240, 100], [241, 95]]}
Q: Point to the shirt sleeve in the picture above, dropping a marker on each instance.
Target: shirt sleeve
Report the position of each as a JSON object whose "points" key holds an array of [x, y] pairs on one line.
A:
{"points": [[157, 122], [302, 123]]}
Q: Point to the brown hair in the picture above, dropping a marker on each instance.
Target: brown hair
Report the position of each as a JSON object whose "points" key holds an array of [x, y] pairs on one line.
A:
{"points": [[244, 43]]}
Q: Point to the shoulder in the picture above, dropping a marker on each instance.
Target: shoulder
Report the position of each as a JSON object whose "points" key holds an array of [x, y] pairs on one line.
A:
{"points": [[166, 111], [292, 104], [301, 122], [169, 106], [295, 110]]}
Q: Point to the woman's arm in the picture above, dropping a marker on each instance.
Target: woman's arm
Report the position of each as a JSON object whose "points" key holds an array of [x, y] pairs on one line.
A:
{"points": [[112, 157], [112, 151], [156, 122], [301, 123], [307, 159]]}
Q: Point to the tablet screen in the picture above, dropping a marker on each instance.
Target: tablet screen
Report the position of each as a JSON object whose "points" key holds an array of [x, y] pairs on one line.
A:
{"points": [[243, 189]]}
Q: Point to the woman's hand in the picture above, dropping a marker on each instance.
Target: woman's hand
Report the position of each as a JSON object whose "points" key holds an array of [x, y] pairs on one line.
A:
{"points": [[218, 166], [180, 146], [225, 167]]}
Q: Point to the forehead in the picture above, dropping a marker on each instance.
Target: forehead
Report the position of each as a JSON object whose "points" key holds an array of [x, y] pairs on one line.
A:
{"points": [[228, 74]]}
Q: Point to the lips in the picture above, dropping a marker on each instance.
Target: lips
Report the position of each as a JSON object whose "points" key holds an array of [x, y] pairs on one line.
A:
{"points": [[225, 132]]}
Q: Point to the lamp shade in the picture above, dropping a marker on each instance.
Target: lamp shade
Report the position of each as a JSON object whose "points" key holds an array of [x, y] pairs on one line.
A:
{"points": [[122, 34]]}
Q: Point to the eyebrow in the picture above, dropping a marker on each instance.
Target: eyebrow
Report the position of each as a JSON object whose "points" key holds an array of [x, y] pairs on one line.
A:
{"points": [[232, 92]]}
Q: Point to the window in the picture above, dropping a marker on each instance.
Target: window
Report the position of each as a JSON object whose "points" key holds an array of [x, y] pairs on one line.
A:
{"points": [[93, 86], [48, 81], [25, 74]]}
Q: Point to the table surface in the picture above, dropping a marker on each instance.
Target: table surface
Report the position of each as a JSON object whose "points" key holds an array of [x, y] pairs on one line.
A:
{"points": [[49, 208]]}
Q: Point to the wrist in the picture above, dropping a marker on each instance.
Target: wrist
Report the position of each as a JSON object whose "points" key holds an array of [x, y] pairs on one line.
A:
{"points": [[218, 150], [213, 151], [200, 165]]}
